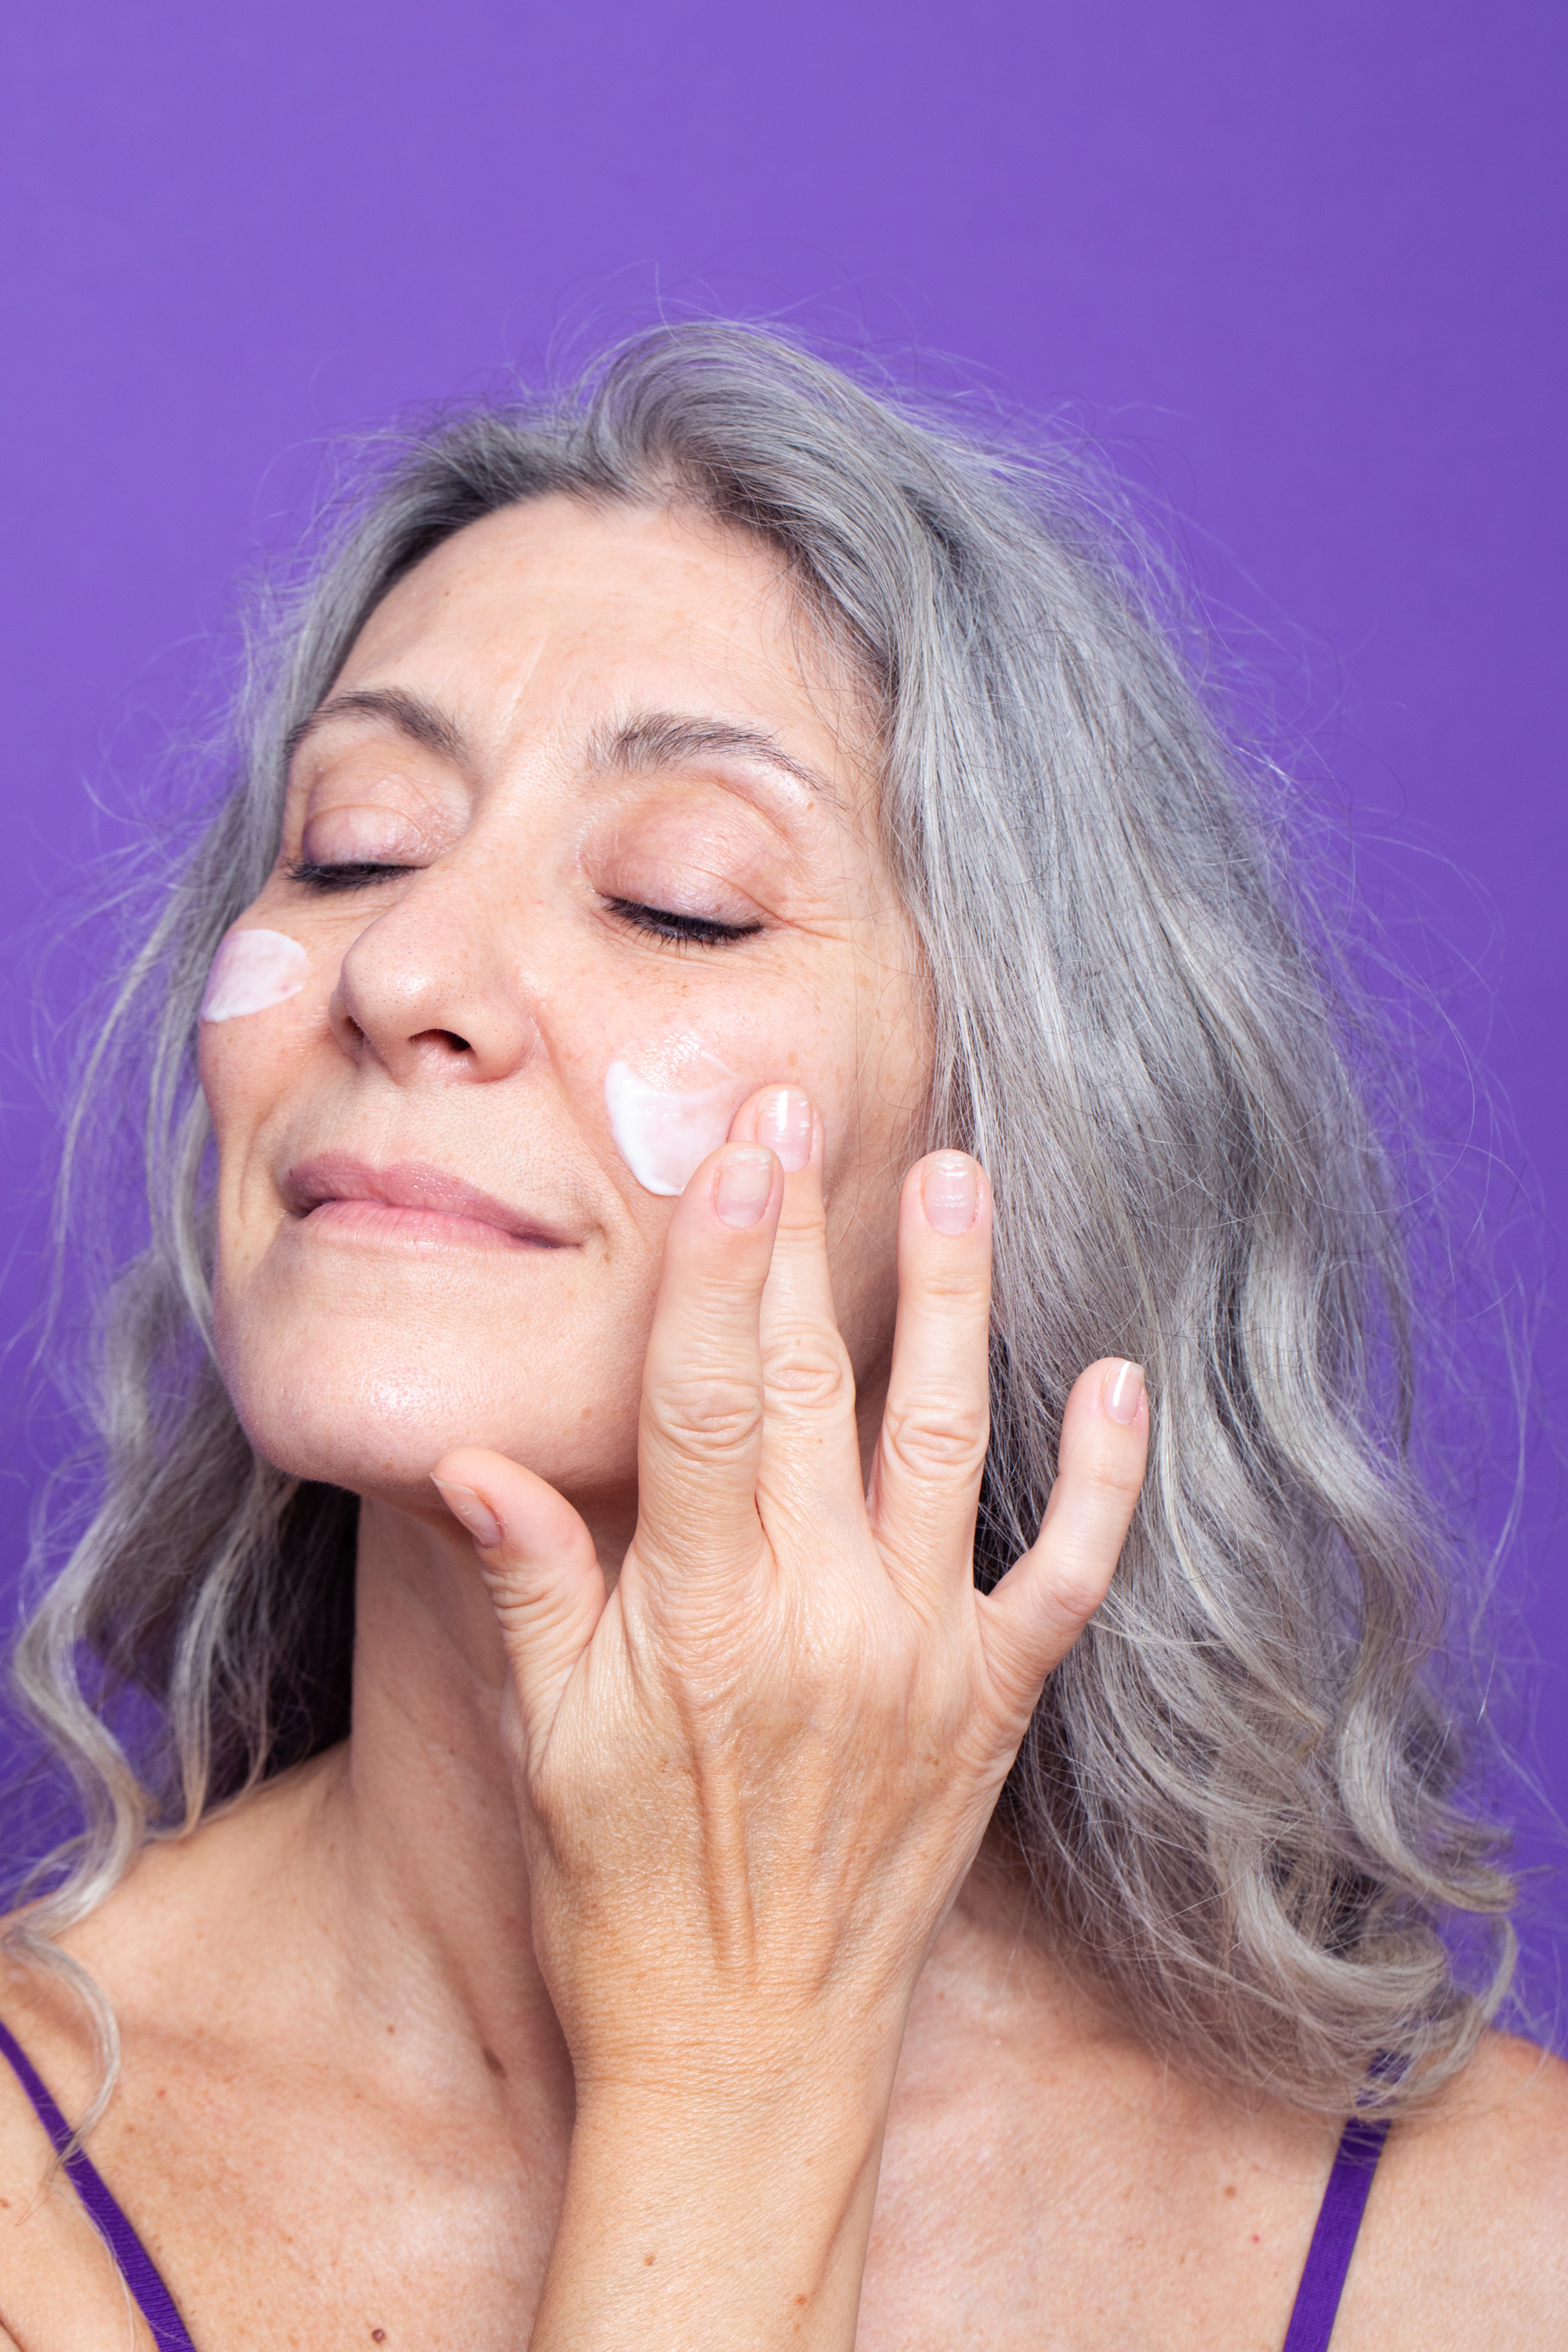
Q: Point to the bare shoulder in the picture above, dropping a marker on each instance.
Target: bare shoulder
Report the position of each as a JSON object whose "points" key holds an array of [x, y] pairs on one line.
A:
{"points": [[59, 2290], [1465, 2236], [1495, 2146]]}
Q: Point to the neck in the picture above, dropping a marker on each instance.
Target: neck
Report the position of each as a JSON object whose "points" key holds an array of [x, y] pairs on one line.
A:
{"points": [[420, 1817], [413, 1824]]}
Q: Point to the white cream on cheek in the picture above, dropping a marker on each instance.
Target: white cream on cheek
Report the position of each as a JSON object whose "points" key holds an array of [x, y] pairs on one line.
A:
{"points": [[251, 971], [664, 1132]]}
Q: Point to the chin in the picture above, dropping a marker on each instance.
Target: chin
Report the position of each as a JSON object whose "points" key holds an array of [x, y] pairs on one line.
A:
{"points": [[354, 1403]]}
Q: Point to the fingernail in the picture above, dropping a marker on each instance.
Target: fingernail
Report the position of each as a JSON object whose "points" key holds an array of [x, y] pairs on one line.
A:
{"points": [[1123, 1389], [783, 1124], [474, 1512], [950, 1193], [745, 1180]]}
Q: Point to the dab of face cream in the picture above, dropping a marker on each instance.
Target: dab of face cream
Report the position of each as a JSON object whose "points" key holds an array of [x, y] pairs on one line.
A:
{"points": [[251, 971], [663, 1133]]}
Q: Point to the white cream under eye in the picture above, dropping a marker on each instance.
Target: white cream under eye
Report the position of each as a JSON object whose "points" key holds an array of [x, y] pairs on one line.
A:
{"points": [[251, 971], [664, 1129]]}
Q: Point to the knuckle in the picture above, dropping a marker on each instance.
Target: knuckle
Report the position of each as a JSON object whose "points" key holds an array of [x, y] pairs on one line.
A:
{"points": [[1108, 1479], [809, 1372], [801, 1224], [704, 1418], [1077, 1588], [936, 1438], [952, 1279]]}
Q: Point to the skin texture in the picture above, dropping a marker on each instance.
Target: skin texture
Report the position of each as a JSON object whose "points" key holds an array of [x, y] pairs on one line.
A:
{"points": [[640, 1971]]}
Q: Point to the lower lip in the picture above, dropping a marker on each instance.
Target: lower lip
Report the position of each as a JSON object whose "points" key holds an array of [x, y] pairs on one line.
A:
{"points": [[377, 1223]]}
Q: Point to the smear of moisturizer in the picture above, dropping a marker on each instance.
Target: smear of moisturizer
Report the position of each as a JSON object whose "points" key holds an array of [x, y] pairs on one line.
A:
{"points": [[664, 1132], [251, 971]]}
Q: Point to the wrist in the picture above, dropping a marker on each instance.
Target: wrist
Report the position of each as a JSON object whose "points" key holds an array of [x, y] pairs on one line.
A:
{"points": [[735, 2216]]}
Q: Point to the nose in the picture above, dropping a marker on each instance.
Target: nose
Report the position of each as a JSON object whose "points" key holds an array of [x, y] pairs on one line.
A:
{"points": [[428, 990]]}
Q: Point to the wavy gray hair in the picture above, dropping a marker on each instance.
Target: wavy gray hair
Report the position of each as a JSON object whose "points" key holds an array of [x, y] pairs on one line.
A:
{"points": [[1239, 1799]]}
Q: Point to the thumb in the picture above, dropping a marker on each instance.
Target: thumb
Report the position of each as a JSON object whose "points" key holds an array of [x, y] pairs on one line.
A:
{"points": [[541, 1570]]}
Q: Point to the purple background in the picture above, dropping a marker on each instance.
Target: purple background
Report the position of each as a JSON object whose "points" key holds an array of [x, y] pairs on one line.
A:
{"points": [[1296, 263]]}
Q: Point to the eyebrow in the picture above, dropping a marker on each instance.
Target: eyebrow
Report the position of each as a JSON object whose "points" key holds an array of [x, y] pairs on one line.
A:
{"points": [[646, 743], [410, 714], [655, 740]]}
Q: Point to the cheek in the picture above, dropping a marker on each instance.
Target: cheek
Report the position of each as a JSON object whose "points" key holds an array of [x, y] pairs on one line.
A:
{"points": [[255, 985], [253, 970], [670, 1096], [245, 1064], [666, 1092], [664, 1132]]}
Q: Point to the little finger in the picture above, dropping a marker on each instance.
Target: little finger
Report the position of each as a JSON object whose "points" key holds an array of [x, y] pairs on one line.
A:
{"points": [[1036, 1614]]}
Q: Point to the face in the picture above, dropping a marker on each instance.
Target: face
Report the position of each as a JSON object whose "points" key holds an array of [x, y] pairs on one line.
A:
{"points": [[578, 854]]}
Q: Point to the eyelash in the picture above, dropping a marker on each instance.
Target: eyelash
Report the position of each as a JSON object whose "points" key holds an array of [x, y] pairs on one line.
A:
{"points": [[353, 877], [680, 930], [654, 923]]}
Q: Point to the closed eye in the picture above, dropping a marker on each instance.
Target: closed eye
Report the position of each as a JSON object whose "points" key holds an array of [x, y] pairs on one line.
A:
{"points": [[353, 876], [691, 930]]}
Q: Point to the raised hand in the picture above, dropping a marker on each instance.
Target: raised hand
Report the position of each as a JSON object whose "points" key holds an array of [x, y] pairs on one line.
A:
{"points": [[752, 1777]]}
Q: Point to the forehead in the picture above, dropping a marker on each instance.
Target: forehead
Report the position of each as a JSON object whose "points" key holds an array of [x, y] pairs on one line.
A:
{"points": [[559, 611]]}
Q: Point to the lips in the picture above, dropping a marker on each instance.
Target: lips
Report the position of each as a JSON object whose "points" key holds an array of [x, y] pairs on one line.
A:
{"points": [[410, 1202]]}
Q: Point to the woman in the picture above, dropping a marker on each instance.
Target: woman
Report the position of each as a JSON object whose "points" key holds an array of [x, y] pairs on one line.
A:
{"points": [[779, 1879]]}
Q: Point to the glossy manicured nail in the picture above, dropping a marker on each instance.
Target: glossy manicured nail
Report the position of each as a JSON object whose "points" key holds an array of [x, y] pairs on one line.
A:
{"points": [[783, 1124], [745, 1180], [474, 1512], [1123, 1389], [950, 1193]]}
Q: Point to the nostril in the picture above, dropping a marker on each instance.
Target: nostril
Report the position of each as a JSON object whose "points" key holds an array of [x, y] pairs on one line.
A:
{"points": [[447, 1039]]}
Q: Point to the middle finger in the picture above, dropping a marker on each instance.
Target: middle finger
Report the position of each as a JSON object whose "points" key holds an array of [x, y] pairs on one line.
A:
{"points": [[811, 1448]]}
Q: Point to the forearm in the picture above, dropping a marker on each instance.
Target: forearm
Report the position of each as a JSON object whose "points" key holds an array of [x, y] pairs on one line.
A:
{"points": [[692, 2225]]}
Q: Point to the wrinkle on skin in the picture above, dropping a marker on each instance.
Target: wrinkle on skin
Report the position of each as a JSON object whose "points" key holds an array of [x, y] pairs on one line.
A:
{"points": [[463, 1012]]}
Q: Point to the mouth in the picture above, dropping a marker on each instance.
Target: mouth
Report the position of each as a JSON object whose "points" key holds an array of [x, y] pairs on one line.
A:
{"points": [[408, 1205]]}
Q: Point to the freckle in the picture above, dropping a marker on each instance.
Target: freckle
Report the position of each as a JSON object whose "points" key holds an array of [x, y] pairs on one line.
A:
{"points": [[800, 2298], [1231, 2190], [647, 2259], [793, 1060], [391, 2028], [586, 1414]]}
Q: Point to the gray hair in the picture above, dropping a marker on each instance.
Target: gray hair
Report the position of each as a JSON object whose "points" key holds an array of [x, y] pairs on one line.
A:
{"points": [[1240, 1798]]}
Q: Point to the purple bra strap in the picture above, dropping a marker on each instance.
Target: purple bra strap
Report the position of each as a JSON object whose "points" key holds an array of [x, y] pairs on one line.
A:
{"points": [[169, 2331], [1333, 2240], [1312, 2320]]}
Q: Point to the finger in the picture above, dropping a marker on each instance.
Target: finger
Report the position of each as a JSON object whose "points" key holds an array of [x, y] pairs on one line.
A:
{"points": [[925, 1481], [539, 1568], [810, 1461], [1043, 1603], [699, 1441]]}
